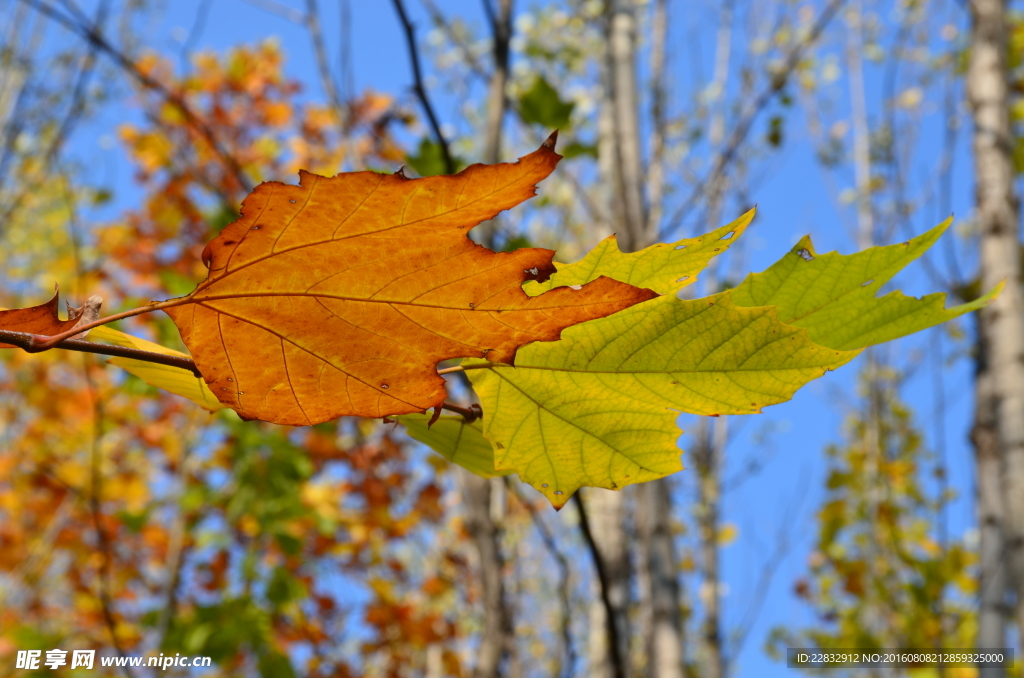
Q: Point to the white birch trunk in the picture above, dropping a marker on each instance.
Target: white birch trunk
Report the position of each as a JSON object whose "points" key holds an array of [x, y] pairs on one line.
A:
{"points": [[1001, 324]]}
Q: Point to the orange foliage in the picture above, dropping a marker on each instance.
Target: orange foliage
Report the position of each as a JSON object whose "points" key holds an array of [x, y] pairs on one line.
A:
{"points": [[361, 283]]}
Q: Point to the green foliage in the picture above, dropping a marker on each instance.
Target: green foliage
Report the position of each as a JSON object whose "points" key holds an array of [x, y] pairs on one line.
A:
{"points": [[458, 442], [429, 159], [541, 105], [834, 296], [880, 576], [664, 268], [595, 408], [592, 408]]}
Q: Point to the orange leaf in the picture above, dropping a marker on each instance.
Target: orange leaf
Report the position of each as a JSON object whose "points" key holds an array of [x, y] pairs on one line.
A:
{"points": [[340, 296], [41, 319]]}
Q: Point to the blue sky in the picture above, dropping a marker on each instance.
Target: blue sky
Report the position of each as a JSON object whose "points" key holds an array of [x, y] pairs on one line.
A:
{"points": [[793, 200]]}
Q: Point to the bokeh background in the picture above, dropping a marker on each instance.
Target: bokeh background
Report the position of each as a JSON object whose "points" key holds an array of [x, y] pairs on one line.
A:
{"points": [[133, 522]]}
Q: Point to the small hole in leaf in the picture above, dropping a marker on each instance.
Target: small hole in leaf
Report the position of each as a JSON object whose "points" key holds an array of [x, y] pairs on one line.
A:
{"points": [[866, 283], [471, 306], [680, 247], [558, 492], [292, 201], [576, 287], [718, 249], [384, 386], [544, 485], [685, 277], [728, 235], [230, 379], [805, 254], [223, 388], [241, 393], [255, 228]]}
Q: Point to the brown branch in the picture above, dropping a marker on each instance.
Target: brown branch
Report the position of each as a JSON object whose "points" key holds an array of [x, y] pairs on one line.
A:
{"points": [[767, 94], [421, 93], [91, 33], [24, 341], [469, 414], [618, 667]]}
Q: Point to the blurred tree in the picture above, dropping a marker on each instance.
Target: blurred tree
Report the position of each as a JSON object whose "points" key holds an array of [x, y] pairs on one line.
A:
{"points": [[878, 576]]}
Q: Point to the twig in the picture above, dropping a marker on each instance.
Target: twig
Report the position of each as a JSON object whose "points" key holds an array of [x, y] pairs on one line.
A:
{"points": [[23, 340], [39, 343], [421, 93], [90, 33], [765, 97], [35, 343], [320, 50], [280, 9], [618, 668], [467, 51], [64, 129]]}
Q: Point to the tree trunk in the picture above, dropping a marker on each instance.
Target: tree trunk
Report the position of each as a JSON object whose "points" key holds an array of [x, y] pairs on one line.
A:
{"points": [[622, 175], [992, 580], [620, 33], [707, 453], [602, 522], [659, 579], [1001, 323], [496, 640], [485, 500]]}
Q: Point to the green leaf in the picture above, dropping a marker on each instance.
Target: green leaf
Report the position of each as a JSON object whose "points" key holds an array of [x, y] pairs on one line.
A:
{"points": [[664, 268], [429, 159], [833, 295], [541, 105], [458, 442], [173, 379], [576, 149], [596, 407]]}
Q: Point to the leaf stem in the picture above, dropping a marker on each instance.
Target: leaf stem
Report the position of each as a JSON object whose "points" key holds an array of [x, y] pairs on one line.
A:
{"points": [[469, 414], [23, 340], [463, 368], [40, 343]]}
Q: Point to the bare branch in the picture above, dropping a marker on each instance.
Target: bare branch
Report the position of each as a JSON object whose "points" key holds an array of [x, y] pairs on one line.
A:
{"points": [[421, 92], [446, 27], [743, 126], [23, 341], [92, 33], [280, 9], [611, 628]]}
